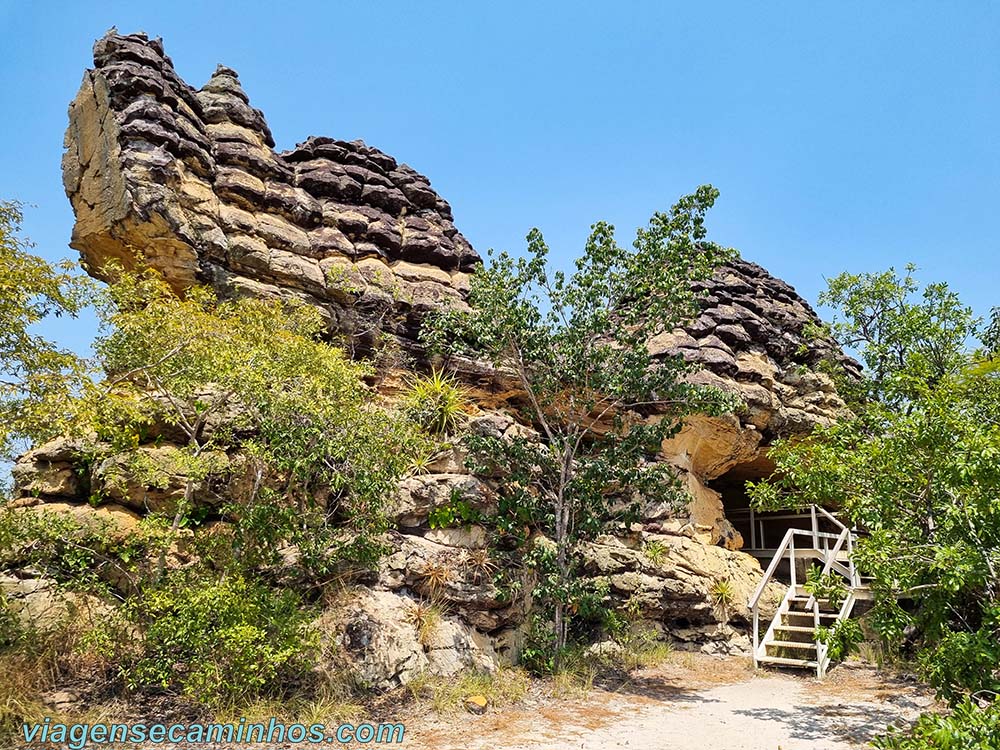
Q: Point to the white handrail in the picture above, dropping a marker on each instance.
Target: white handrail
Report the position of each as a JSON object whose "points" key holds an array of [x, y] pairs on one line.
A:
{"points": [[769, 573], [831, 517], [830, 560], [779, 554]]}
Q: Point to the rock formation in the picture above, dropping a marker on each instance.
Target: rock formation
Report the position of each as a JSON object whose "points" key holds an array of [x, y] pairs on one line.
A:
{"points": [[188, 180], [754, 337]]}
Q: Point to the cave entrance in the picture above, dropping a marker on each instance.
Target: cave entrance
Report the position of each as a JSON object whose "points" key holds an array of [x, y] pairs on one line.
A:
{"points": [[762, 532]]}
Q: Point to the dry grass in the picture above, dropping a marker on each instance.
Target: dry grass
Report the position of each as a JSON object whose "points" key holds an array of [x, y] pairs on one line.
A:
{"points": [[580, 670], [38, 663], [699, 670], [323, 710], [25, 678], [647, 657], [446, 695], [576, 675]]}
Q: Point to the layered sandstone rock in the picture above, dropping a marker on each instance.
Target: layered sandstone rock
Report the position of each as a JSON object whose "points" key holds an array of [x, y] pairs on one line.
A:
{"points": [[188, 180], [757, 337]]}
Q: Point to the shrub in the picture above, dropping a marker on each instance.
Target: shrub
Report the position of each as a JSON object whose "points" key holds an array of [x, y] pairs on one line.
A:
{"points": [[225, 641], [967, 727], [80, 556], [841, 639], [538, 654], [456, 512], [827, 586], [962, 660], [253, 374], [916, 468], [34, 660], [12, 631]]}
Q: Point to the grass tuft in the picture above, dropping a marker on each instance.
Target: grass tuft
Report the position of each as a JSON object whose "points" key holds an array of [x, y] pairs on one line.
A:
{"points": [[445, 695]]}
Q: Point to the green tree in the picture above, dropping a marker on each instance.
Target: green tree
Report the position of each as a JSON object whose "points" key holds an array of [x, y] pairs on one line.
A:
{"points": [[324, 451], [917, 469], [36, 376], [577, 347]]}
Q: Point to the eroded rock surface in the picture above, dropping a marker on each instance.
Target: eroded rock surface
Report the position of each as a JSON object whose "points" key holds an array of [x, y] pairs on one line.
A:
{"points": [[756, 336], [189, 180], [386, 639]]}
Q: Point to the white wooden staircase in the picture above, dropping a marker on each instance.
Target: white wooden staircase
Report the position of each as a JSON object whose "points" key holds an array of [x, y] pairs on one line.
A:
{"points": [[791, 638]]}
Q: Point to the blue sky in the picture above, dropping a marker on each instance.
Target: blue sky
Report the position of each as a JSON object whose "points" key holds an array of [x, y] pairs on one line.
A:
{"points": [[843, 136]]}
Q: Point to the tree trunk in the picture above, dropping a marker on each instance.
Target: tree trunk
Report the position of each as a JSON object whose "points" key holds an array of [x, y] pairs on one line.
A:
{"points": [[560, 628], [178, 517]]}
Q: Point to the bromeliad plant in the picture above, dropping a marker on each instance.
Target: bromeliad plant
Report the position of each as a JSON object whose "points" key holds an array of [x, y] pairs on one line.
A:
{"points": [[436, 402], [577, 346]]}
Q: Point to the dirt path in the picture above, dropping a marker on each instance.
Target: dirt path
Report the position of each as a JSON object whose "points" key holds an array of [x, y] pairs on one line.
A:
{"points": [[692, 706]]}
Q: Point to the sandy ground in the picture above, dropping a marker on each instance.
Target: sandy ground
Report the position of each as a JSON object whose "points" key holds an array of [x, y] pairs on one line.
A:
{"points": [[693, 704]]}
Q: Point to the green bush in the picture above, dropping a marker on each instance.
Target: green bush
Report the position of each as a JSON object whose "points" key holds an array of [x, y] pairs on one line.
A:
{"points": [[916, 468], [456, 512], [827, 586], [80, 556], [538, 652], [842, 638], [967, 727], [963, 661], [217, 642]]}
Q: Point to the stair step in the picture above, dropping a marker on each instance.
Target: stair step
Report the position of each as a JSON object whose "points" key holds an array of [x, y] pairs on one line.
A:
{"points": [[795, 628], [791, 644], [825, 618], [786, 662], [822, 615]]}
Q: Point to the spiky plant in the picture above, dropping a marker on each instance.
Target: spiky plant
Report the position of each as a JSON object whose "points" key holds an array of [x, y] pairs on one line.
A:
{"points": [[425, 617], [420, 464], [655, 551], [480, 563], [436, 402], [437, 575], [722, 595]]}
